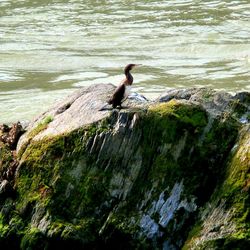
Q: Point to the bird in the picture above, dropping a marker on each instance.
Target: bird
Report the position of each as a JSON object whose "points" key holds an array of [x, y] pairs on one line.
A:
{"points": [[123, 90]]}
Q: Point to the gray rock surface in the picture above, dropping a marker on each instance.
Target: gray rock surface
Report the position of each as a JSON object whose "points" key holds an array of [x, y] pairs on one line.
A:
{"points": [[215, 102]]}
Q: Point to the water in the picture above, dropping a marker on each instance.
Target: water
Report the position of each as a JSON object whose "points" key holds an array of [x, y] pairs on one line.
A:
{"points": [[50, 48]]}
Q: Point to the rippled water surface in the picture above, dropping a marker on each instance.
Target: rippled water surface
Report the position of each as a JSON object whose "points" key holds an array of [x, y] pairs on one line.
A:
{"points": [[50, 48]]}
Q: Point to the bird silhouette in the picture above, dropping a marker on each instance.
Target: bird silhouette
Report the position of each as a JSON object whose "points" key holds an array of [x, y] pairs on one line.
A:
{"points": [[123, 90]]}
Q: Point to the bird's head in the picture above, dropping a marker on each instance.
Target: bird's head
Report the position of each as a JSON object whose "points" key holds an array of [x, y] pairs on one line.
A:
{"points": [[130, 66]]}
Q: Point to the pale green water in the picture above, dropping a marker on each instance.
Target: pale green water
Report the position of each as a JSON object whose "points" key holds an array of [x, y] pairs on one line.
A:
{"points": [[50, 48]]}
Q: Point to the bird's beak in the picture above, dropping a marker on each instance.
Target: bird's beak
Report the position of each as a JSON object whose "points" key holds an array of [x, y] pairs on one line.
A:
{"points": [[137, 65]]}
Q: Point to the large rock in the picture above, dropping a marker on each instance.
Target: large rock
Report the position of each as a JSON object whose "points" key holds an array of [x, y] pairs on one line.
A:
{"points": [[162, 175]]}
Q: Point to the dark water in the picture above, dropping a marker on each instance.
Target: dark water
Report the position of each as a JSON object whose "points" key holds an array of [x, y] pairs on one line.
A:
{"points": [[50, 48]]}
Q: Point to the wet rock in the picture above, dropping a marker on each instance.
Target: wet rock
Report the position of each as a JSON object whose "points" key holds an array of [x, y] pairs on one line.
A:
{"points": [[6, 190], [223, 222], [4, 187], [243, 97], [215, 102], [4, 128], [11, 135]]}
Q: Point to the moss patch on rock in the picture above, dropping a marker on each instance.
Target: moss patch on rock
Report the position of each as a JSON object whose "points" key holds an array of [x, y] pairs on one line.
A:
{"points": [[230, 198]]}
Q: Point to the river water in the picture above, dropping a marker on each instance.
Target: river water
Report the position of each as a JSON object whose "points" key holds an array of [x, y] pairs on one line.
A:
{"points": [[50, 48]]}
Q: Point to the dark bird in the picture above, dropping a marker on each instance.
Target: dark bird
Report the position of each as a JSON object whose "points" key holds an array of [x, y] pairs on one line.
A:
{"points": [[123, 90]]}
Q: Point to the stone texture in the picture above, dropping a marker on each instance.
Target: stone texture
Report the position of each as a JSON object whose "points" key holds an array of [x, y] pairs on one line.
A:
{"points": [[168, 174]]}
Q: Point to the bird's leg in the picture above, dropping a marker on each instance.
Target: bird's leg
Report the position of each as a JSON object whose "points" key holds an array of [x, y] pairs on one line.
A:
{"points": [[117, 106]]}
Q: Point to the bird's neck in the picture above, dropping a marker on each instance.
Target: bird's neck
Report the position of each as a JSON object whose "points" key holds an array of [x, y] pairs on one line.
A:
{"points": [[129, 77]]}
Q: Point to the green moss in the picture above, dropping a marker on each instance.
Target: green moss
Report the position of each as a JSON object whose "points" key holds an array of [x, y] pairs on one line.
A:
{"points": [[207, 94], [233, 189], [6, 157], [73, 185], [225, 244], [237, 173], [186, 113], [45, 173], [17, 224], [169, 124], [11, 230], [164, 108], [33, 239], [40, 126], [162, 128], [5, 153], [193, 233], [238, 107], [4, 228]]}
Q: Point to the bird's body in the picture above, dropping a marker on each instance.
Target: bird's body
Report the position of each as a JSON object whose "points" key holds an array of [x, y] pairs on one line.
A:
{"points": [[120, 95], [123, 90]]}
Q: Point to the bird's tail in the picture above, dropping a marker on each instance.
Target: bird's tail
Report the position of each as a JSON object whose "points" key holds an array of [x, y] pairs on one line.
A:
{"points": [[104, 107]]}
